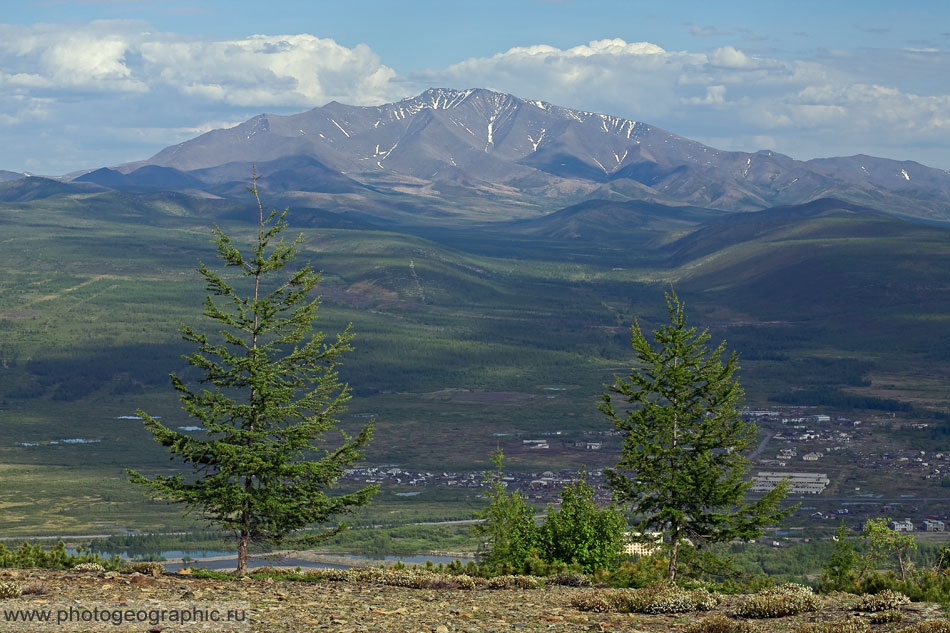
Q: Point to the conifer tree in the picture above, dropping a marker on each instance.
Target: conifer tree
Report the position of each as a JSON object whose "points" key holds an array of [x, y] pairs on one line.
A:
{"points": [[507, 524], [270, 395], [681, 468]]}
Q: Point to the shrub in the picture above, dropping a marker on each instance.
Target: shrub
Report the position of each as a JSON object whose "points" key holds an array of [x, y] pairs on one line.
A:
{"points": [[55, 557], [847, 625], [719, 623], [88, 567], [776, 602], [569, 579], [890, 615], [659, 598], [882, 601], [668, 598], [933, 626], [35, 589], [595, 601], [642, 572], [580, 533], [10, 589], [515, 582], [341, 575], [413, 578], [148, 567]]}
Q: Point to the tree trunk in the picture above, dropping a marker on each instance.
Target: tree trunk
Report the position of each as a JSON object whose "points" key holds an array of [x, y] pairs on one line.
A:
{"points": [[242, 553], [674, 548]]}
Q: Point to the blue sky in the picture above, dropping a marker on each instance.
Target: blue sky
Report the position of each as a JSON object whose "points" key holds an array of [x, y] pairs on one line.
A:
{"points": [[87, 83]]}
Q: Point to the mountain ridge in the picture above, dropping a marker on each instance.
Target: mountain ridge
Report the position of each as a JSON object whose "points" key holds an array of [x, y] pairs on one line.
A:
{"points": [[462, 149]]}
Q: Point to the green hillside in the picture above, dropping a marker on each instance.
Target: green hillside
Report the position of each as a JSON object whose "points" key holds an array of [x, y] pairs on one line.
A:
{"points": [[462, 333]]}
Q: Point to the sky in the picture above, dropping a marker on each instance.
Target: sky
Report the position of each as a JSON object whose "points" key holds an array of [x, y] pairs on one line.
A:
{"points": [[92, 83]]}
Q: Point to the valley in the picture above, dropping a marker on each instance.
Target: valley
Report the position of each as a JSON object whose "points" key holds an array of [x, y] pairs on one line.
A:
{"points": [[485, 316]]}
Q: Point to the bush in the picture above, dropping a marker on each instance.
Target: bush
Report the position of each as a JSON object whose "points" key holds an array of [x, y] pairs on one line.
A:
{"points": [[659, 598], [883, 601], [35, 589], [580, 533], [10, 589], [642, 572], [88, 567], [847, 625], [883, 617], [515, 582], [55, 557], [569, 579], [595, 601], [148, 567], [414, 578], [933, 626], [777, 602], [719, 623]]}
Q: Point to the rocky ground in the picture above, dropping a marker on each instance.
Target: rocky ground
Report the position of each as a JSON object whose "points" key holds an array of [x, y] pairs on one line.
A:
{"points": [[287, 606]]}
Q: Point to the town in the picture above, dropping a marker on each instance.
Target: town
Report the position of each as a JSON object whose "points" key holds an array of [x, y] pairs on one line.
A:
{"points": [[839, 468]]}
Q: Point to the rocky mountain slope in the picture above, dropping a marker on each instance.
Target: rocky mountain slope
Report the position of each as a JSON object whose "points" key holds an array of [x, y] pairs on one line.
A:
{"points": [[446, 146]]}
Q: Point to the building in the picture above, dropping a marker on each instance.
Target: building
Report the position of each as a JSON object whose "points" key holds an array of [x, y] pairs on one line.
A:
{"points": [[642, 545], [902, 526], [802, 483], [934, 526], [535, 444]]}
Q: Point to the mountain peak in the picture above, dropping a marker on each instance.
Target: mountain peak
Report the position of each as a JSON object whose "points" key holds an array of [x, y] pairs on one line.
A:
{"points": [[475, 143]]}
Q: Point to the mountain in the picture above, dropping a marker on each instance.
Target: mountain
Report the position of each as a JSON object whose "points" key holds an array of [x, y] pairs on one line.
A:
{"points": [[6, 176], [496, 156], [608, 221], [34, 188]]}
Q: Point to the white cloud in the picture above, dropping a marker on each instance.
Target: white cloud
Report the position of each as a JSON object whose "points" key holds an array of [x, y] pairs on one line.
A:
{"points": [[261, 70], [806, 107]]}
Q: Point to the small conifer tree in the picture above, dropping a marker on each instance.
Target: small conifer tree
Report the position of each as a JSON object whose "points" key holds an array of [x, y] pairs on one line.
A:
{"points": [[681, 468], [271, 393]]}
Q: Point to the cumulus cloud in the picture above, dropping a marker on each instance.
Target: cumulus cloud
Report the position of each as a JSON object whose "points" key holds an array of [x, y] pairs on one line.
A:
{"points": [[823, 105], [271, 70], [124, 57]]}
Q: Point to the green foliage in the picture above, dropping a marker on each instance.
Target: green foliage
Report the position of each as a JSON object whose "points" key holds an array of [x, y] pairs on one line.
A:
{"points": [[581, 533], [507, 525], [640, 572], [840, 572], [886, 542], [274, 394], [683, 438], [56, 557], [576, 536]]}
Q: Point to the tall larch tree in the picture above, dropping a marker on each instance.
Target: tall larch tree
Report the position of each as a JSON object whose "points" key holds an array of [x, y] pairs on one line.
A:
{"points": [[682, 471], [268, 398]]}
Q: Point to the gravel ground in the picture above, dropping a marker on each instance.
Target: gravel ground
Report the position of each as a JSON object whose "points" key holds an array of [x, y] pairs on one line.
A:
{"points": [[298, 607]]}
